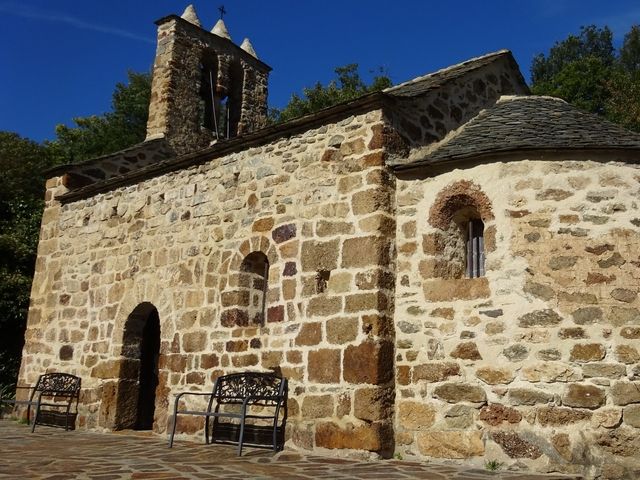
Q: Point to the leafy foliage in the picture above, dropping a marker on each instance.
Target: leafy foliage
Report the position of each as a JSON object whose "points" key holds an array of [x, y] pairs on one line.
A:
{"points": [[586, 71], [98, 135], [21, 185], [347, 86], [22, 189]]}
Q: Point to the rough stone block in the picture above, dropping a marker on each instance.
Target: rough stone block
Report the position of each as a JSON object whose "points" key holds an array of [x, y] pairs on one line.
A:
{"points": [[370, 362], [460, 392], [528, 396], [625, 393], [495, 414], [514, 445], [495, 376], [450, 444], [317, 406], [342, 330], [588, 352], [435, 372], [365, 251], [466, 351], [373, 437], [372, 404], [442, 290], [631, 415], [309, 334], [317, 255], [416, 416], [584, 396], [539, 318], [606, 370], [324, 366], [558, 416]]}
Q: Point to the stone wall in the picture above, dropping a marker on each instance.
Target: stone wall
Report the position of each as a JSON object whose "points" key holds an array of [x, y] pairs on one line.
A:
{"points": [[319, 206], [537, 362], [428, 117]]}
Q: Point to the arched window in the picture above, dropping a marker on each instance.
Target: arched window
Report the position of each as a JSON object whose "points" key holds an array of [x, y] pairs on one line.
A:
{"points": [[458, 245], [254, 279]]}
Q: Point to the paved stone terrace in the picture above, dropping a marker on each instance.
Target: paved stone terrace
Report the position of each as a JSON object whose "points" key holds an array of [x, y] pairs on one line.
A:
{"points": [[54, 454]]}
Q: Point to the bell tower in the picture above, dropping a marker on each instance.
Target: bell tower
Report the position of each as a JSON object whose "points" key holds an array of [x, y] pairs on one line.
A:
{"points": [[205, 88]]}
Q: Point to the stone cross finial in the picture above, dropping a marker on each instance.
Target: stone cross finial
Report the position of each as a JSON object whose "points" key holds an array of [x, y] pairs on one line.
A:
{"points": [[222, 11]]}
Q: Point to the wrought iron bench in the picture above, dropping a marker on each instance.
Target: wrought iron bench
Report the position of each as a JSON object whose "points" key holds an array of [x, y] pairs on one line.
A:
{"points": [[56, 392], [236, 396]]}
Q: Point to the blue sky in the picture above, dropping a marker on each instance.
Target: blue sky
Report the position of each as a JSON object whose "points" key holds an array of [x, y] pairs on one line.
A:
{"points": [[61, 59]]}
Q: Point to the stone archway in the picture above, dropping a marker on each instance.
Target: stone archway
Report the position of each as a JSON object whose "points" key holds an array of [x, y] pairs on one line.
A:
{"points": [[138, 377]]}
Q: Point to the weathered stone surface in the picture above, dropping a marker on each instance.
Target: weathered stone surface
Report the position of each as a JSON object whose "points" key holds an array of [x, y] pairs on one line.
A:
{"points": [[66, 352], [630, 332], [460, 416], [456, 289], [318, 255], [365, 251], [324, 366], [342, 330], [573, 332], [624, 442], [558, 416], [624, 393], [627, 354], [435, 372], [368, 362], [562, 444], [562, 262], [515, 446], [539, 290], [495, 376], [587, 315], [549, 354], [631, 415], [416, 416], [373, 437], [528, 396], [607, 370], [460, 392], [317, 406], [606, 417], [624, 295], [550, 372], [309, 334], [466, 351], [450, 444], [373, 404], [540, 318], [495, 414], [584, 396], [516, 353], [587, 352], [619, 316], [283, 233]]}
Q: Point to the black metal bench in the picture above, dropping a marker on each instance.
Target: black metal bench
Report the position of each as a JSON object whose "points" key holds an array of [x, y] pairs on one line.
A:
{"points": [[236, 396], [56, 392]]}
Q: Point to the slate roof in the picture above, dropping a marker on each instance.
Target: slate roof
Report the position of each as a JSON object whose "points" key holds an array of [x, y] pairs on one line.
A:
{"points": [[435, 80], [525, 123]]}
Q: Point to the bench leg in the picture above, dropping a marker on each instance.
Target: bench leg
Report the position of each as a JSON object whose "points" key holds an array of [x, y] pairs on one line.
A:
{"points": [[241, 439]]}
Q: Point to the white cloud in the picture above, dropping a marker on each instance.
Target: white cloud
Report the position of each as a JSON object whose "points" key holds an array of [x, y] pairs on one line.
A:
{"points": [[22, 11]]}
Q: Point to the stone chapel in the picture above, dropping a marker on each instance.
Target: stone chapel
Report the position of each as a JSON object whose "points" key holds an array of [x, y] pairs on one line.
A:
{"points": [[446, 269]]}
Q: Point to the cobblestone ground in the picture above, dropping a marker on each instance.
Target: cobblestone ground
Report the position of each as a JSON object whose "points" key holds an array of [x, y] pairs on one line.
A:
{"points": [[54, 454]]}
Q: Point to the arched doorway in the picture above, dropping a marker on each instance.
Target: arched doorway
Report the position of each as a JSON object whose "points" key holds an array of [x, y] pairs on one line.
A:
{"points": [[139, 372]]}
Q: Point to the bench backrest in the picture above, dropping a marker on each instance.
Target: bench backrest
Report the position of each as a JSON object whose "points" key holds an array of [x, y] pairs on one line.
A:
{"points": [[235, 387], [59, 383]]}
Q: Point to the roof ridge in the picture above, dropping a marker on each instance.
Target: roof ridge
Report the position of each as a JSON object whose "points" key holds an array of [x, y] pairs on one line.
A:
{"points": [[446, 69]]}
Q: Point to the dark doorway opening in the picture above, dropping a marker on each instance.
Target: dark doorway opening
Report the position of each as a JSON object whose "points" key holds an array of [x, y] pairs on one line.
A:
{"points": [[139, 377], [148, 378]]}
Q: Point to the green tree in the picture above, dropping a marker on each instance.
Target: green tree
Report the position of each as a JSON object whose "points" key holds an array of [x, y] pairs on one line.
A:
{"points": [[347, 86], [21, 191], [586, 70], [98, 135]]}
